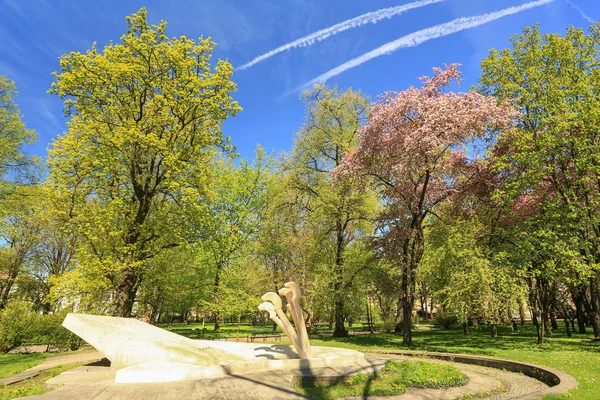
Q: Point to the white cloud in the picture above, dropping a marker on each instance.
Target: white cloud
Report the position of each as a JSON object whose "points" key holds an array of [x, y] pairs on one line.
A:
{"points": [[371, 17], [418, 37], [580, 11]]}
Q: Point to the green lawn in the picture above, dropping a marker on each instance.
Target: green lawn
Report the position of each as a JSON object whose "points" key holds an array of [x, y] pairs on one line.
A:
{"points": [[33, 386], [391, 382], [11, 364], [194, 330], [578, 356]]}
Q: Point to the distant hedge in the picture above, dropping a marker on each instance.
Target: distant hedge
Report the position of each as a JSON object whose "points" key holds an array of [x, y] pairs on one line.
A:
{"points": [[20, 325]]}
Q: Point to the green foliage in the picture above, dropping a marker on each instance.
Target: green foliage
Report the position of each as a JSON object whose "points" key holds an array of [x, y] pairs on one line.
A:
{"points": [[20, 325], [332, 219], [13, 135], [469, 276], [17, 323], [446, 321], [145, 127], [392, 382]]}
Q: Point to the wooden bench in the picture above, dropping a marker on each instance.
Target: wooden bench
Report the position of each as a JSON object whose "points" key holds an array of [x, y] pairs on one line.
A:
{"points": [[264, 336]]}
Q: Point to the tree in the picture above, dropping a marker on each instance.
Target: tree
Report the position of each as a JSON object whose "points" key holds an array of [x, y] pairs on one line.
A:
{"points": [[337, 215], [233, 215], [554, 82], [19, 233], [472, 279], [13, 134], [145, 125], [413, 148]]}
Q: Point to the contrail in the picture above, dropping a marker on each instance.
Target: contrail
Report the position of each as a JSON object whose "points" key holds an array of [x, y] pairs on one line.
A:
{"points": [[416, 38], [371, 17], [580, 11]]}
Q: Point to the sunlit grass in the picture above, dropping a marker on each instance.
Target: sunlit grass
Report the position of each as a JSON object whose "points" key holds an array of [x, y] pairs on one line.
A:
{"points": [[577, 356], [391, 382], [32, 386], [11, 364]]}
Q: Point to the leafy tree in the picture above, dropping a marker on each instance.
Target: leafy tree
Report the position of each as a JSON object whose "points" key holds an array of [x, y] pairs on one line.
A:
{"points": [[554, 82], [336, 215], [472, 280], [13, 135], [145, 125], [414, 150], [233, 215], [20, 233]]}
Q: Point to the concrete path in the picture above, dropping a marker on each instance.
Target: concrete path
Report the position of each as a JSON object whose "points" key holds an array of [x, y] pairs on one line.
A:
{"points": [[52, 362], [88, 382]]}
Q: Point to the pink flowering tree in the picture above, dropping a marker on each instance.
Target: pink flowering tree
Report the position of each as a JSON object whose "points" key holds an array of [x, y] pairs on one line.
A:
{"points": [[418, 150]]}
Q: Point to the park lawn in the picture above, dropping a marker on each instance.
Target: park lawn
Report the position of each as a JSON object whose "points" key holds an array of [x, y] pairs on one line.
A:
{"points": [[577, 356], [32, 386], [194, 330], [11, 364]]}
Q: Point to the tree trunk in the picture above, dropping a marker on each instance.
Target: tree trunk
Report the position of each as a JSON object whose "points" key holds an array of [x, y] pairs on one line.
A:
{"points": [[340, 330], [407, 321], [579, 310], [546, 323], [595, 306], [338, 286], [553, 320], [399, 307], [567, 323], [495, 331], [522, 313], [466, 328], [125, 293], [217, 314], [538, 322]]}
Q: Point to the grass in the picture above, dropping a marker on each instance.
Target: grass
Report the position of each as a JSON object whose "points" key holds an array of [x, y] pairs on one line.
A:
{"points": [[11, 364], [32, 386], [195, 330], [577, 356], [391, 382]]}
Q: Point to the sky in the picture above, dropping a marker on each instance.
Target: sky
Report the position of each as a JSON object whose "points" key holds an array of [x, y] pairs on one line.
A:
{"points": [[277, 47]]}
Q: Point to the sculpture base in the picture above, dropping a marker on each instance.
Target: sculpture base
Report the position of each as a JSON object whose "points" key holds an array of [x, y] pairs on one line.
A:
{"points": [[263, 357]]}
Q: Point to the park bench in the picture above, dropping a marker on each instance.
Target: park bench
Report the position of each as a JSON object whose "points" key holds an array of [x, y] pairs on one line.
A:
{"points": [[264, 336]]}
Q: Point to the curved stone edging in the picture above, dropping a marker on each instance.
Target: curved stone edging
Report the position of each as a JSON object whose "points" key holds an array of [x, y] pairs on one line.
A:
{"points": [[558, 381]]}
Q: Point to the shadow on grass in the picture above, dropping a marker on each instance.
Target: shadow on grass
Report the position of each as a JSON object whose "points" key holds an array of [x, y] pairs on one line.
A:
{"points": [[478, 342]]}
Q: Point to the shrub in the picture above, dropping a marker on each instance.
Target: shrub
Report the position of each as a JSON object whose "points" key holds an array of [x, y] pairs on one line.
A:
{"points": [[389, 325], [20, 325], [16, 325], [446, 321]]}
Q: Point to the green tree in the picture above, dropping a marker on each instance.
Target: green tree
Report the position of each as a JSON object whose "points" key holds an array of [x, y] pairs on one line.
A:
{"points": [[13, 135], [554, 81], [19, 233], [233, 215], [145, 125], [337, 214]]}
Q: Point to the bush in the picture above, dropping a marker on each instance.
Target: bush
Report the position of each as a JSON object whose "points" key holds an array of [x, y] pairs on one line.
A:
{"points": [[446, 321], [20, 325], [16, 325], [389, 325]]}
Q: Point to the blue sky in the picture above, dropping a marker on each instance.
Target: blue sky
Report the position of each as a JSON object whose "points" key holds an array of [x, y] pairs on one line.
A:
{"points": [[34, 33]]}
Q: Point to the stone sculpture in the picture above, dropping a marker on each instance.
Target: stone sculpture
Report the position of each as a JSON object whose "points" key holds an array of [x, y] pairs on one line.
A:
{"points": [[272, 304], [140, 352]]}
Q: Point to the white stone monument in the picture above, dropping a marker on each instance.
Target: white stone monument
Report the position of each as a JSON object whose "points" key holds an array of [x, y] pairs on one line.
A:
{"points": [[144, 353]]}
